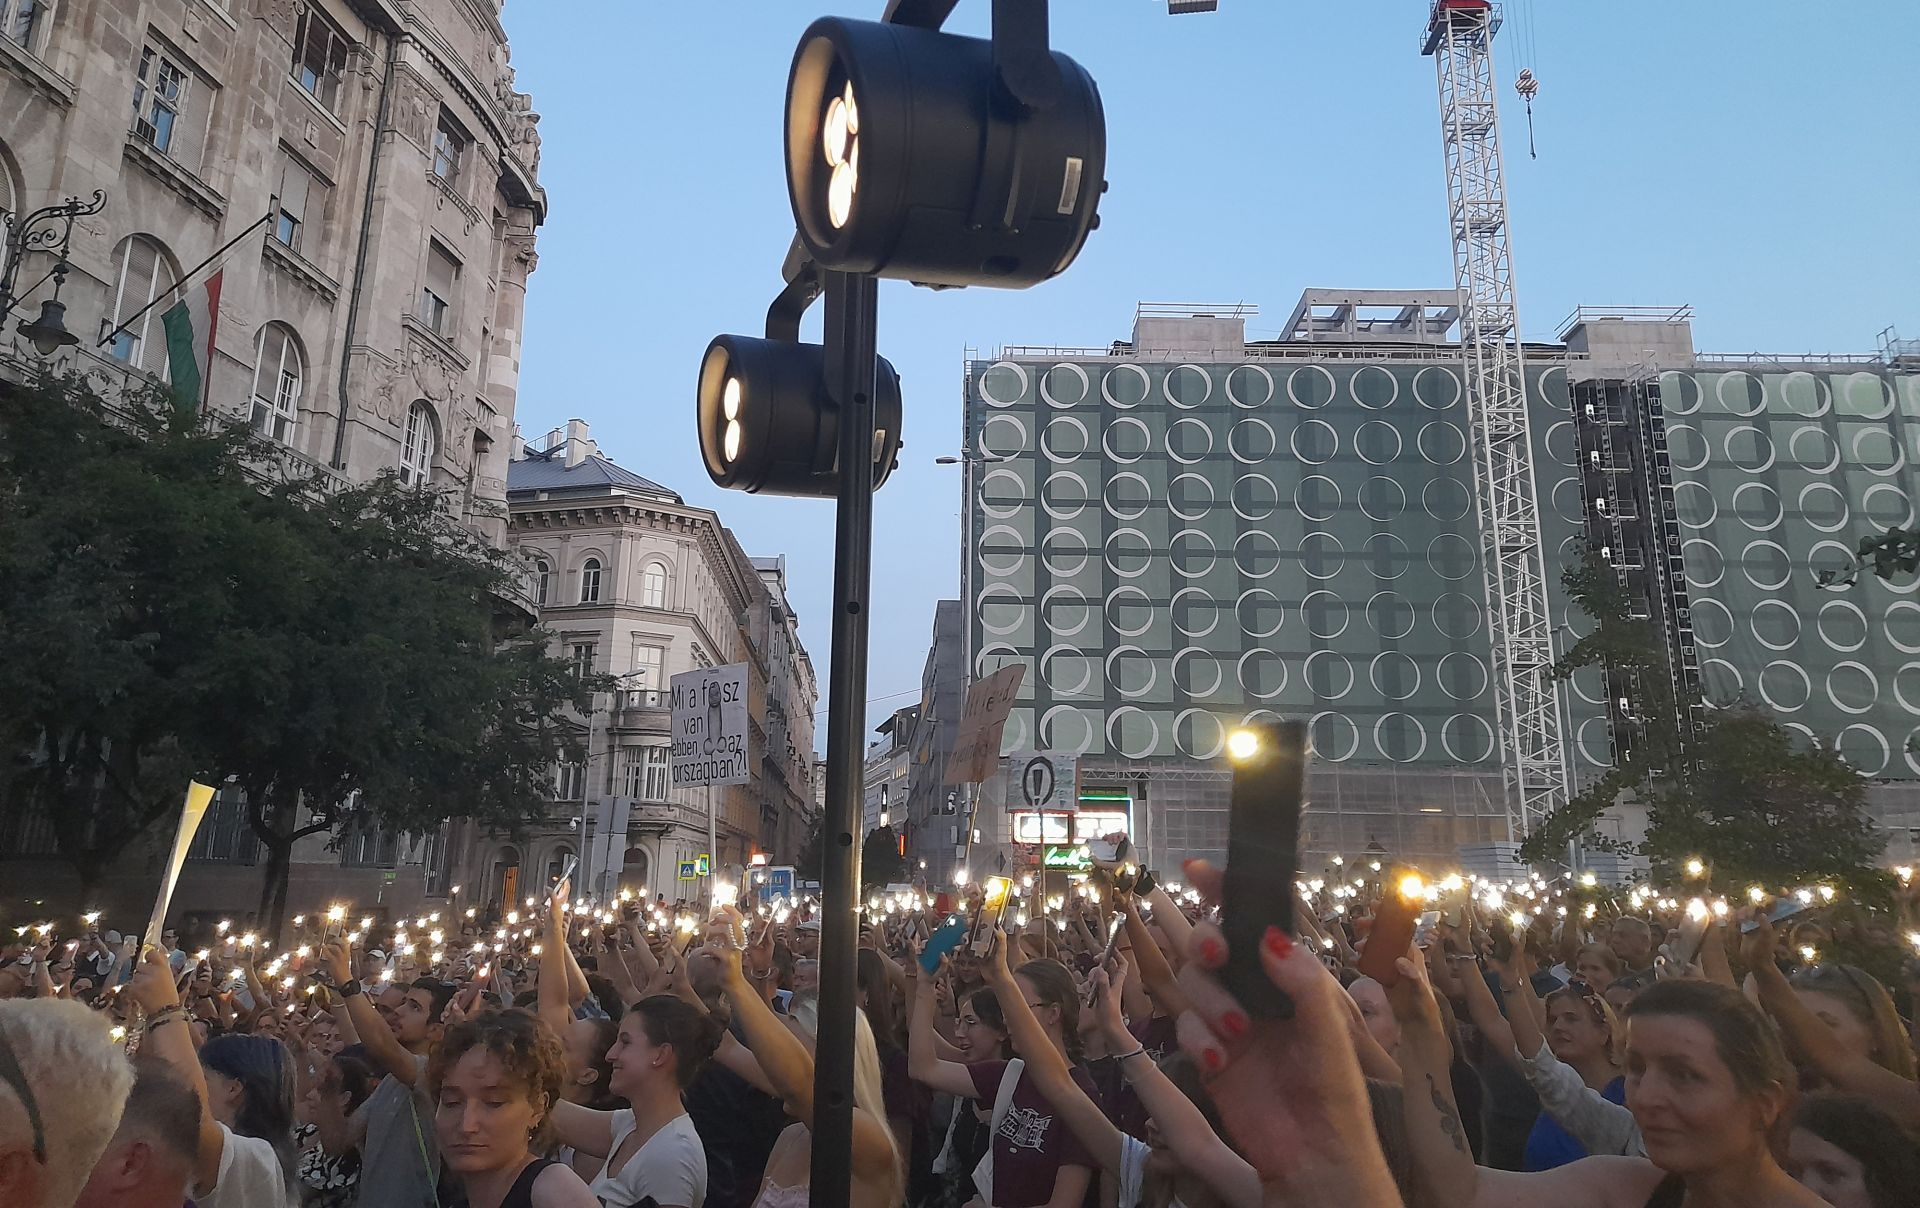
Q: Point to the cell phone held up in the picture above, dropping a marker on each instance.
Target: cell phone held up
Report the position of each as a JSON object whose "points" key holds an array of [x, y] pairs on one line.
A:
{"points": [[1263, 838], [986, 918], [1395, 920]]}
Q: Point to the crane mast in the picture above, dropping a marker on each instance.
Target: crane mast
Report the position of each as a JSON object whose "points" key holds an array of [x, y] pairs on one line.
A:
{"points": [[1460, 39]]}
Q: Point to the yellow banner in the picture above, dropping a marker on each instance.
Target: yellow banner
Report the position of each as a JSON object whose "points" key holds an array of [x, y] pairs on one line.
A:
{"points": [[199, 796]]}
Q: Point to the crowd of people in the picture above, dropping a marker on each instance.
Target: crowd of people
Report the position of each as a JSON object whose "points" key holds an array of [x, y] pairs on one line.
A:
{"points": [[1537, 1044]]}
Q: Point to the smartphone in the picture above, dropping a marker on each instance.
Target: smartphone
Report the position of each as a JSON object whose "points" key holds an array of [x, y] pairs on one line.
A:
{"points": [[1782, 910], [1263, 839], [566, 871], [951, 934], [1500, 938], [1395, 920], [986, 919], [1687, 940], [1423, 933], [1109, 850]]}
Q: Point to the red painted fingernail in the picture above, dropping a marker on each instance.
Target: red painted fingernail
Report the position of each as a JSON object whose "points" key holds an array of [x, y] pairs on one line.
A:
{"points": [[1212, 1059], [1210, 951], [1279, 943], [1235, 1024]]}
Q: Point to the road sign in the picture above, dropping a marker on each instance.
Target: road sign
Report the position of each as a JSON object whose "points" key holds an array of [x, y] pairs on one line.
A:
{"points": [[1048, 780], [710, 727], [687, 872], [976, 747], [702, 864], [777, 882]]}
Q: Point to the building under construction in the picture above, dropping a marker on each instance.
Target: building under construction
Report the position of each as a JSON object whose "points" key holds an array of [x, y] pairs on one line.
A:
{"points": [[1184, 529]]}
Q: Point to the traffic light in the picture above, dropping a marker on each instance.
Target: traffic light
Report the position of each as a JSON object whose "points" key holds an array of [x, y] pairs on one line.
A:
{"points": [[942, 159], [767, 423]]}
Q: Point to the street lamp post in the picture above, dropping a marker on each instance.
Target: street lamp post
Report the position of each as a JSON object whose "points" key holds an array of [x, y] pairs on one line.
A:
{"points": [[47, 229]]}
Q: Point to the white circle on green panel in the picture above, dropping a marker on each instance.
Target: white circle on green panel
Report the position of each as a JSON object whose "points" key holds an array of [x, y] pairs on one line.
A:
{"points": [[1125, 386], [1775, 625], [1694, 505], [1126, 440], [1252, 442], [992, 656], [1686, 448], [1886, 506], [1002, 611], [1003, 436], [1814, 448], [1065, 495], [1864, 748], [1456, 616], [1562, 447], [1842, 626], [1066, 728], [1390, 615], [1384, 556], [1133, 732], [1395, 676], [1741, 393], [1824, 508], [1259, 613], [1249, 386], [1019, 723], [1441, 443], [1333, 736], [1906, 687], [1132, 671], [1256, 554], [1192, 553], [1065, 610], [1315, 442], [1551, 388], [1198, 733], [1901, 624], [1679, 393], [1463, 676], [1399, 737], [1311, 387], [1012, 486], [1065, 552], [1002, 560], [1065, 385], [1255, 498], [1436, 388], [1377, 442], [1853, 687], [1325, 614], [1766, 565], [1329, 676], [1589, 684], [1129, 553], [1065, 438], [1196, 612], [1567, 502], [1197, 672], [1446, 499], [1749, 448], [1382, 499], [1595, 742], [1129, 611], [1712, 623], [1190, 496], [1704, 562], [1068, 671], [1721, 682], [1467, 738], [1451, 556], [1187, 386], [1262, 673], [1316, 497], [1865, 395], [1876, 452], [1757, 505], [1127, 495], [1785, 686], [1003, 383], [1829, 556], [1374, 388], [1806, 394], [1321, 556]]}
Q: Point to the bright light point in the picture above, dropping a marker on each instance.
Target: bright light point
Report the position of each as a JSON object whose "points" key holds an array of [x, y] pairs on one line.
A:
{"points": [[1696, 910], [118, 1034], [1809, 953], [1592, 910], [730, 441], [386, 975], [1720, 908], [1519, 918], [725, 893], [1453, 884], [834, 132], [1243, 744], [1696, 866], [840, 192], [730, 399], [1826, 893], [1589, 880], [1803, 896], [1412, 887], [960, 876], [1756, 895]]}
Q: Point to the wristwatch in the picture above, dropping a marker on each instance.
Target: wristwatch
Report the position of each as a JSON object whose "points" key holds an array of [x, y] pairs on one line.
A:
{"points": [[348, 989]]}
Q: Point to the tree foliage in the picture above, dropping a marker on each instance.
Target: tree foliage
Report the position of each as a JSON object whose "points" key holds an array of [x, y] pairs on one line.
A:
{"points": [[807, 865], [175, 605], [880, 860]]}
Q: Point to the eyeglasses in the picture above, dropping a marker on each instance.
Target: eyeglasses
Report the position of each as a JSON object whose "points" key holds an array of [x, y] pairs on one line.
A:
{"points": [[16, 1078]]}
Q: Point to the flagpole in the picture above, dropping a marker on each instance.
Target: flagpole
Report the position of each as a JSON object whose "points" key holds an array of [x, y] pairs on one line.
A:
{"points": [[162, 296]]}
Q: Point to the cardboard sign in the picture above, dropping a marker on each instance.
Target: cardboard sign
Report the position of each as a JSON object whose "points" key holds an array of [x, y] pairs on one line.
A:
{"points": [[976, 747]]}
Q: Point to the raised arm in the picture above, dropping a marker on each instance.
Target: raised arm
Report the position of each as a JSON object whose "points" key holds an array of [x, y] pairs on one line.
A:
{"points": [[1166, 913], [169, 1039], [1156, 973], [924, 1062], [553, 994], [381, 1045]]}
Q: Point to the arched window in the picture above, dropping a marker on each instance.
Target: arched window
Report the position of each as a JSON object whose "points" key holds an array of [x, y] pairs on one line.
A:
{"points": [[418, 449], [542, 579], [590, 581], [141, 270], [276, 383], [653, 586]]}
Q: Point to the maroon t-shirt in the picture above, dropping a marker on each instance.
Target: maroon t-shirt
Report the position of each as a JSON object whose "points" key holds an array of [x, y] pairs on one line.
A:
{"points": [[1033, 1143]]}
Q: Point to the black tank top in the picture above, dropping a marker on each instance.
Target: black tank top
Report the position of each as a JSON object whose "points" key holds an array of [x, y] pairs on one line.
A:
{"points": [[520, 1195], [1669, 1194]]}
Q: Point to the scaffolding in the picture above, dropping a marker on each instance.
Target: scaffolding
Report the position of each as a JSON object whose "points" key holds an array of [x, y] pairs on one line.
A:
{"points": [[1460, 38]]}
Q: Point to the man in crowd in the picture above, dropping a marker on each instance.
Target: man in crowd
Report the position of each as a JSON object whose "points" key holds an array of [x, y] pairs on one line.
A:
{"points": [[50, 1135], [149, 1163]]}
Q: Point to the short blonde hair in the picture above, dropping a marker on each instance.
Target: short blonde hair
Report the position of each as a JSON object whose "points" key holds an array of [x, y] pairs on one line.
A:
{"points": [[62, 1047]]}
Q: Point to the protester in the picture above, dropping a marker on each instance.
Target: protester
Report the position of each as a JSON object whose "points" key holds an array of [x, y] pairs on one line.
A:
{"points": [[153, 1154], [50, 1134], [329, 1164], [1852, 1154], [495, 1079]]}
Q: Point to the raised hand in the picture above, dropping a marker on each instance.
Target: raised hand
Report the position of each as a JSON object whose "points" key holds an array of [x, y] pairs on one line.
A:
{"points": [[152, 987]]}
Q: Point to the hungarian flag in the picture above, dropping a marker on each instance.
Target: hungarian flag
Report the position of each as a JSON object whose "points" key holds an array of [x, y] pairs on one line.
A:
{"points": [[189, 326]]}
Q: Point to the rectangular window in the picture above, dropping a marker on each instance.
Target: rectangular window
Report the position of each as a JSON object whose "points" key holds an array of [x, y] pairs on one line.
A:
{"points": [[365, 846], [438, 863], [319, 57], [301, 193], [159, 98], [656, 783], [632, 770], [569, 781], [224, 836], [20, 21], [583, 658], [449, 145], [649, 667], [436, 296]]}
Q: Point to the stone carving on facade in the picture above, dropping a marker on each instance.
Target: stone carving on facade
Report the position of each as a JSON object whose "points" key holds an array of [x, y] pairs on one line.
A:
{"points": [[386, 377], [431, 372], [413, 108]]}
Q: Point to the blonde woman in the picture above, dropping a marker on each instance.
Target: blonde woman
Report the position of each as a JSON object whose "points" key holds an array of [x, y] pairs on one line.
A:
{"points": [[878, 1178]]}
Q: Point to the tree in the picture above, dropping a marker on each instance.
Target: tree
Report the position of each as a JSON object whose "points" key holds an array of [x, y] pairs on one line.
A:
{"points": [[807, 865], [335, 654], [880, 860], [1734, 789]]}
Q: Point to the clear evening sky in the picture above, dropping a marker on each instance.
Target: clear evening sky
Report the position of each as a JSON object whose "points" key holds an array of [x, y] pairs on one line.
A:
{"points": [[1756, 159]]}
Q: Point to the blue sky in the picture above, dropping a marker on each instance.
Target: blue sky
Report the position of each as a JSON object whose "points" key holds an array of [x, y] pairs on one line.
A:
{"points": [[1752, 159]]}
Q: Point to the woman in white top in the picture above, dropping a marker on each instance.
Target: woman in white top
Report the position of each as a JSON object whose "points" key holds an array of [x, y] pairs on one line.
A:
{"points": [[245, 1086], [651, 1148]]}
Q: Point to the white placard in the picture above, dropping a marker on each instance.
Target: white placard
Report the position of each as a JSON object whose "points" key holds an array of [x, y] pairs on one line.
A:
{"points": [[710, 727]]}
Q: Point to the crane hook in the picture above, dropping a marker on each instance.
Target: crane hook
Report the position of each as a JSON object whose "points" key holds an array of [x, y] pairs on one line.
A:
{"points": [[1528, 87]]}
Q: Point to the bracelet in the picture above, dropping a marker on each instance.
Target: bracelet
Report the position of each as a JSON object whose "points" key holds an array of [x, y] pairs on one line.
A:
{"points": [[163, 1015], [1135, 1053]]}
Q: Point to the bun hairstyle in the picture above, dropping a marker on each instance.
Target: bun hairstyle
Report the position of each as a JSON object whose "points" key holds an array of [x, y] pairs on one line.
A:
{"points": [[527, 1049], [692, 1033]]}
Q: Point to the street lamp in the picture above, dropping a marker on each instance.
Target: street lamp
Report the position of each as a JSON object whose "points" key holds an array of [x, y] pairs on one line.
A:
{"points": [[47, 229], [768, 423]]}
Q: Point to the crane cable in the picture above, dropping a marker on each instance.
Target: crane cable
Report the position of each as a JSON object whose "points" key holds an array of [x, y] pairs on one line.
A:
{"points": [[1527, 47]]}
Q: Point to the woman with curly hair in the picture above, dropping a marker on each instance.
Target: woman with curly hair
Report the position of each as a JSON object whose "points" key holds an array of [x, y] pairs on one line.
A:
{"points": [[495, 1080]]}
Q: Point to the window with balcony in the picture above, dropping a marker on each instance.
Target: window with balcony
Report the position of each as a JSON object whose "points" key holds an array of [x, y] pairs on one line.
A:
{"points": [[450, 143], [649, 667], [301, 193], [590, 581], [320, 56], [643, 773], [418, 447], [438, 291], [224, 836], [276, 383], [364, 846]]}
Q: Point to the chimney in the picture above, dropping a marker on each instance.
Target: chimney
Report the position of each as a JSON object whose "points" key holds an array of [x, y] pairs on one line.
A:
{"points": [[517, 446], [579, 448], [550, 441]]}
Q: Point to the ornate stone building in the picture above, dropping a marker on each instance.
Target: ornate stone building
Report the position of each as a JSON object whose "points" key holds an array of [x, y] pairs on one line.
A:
{"points": [[376, 172]]}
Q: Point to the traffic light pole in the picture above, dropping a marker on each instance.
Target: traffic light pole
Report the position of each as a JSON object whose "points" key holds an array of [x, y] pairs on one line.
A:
{"points": [[851, 346]]}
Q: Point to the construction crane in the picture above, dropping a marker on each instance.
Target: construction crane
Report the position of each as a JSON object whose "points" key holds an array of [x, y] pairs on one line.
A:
{"points": [[1460, 39]]}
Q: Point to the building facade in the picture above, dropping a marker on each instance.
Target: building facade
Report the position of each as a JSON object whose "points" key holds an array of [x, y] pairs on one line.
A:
{"points": [[376, 173], [887, 780], [936, 809], [1185, 530], [635, 583]]}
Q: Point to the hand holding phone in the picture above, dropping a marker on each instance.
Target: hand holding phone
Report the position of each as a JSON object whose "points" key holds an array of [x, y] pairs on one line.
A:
{"points": [[986, 919], [950, 936], [1395, 920], [1263, 835]]}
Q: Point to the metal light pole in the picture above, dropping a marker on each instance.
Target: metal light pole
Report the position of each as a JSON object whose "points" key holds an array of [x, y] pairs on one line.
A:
{"points": [[47, 229]]}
